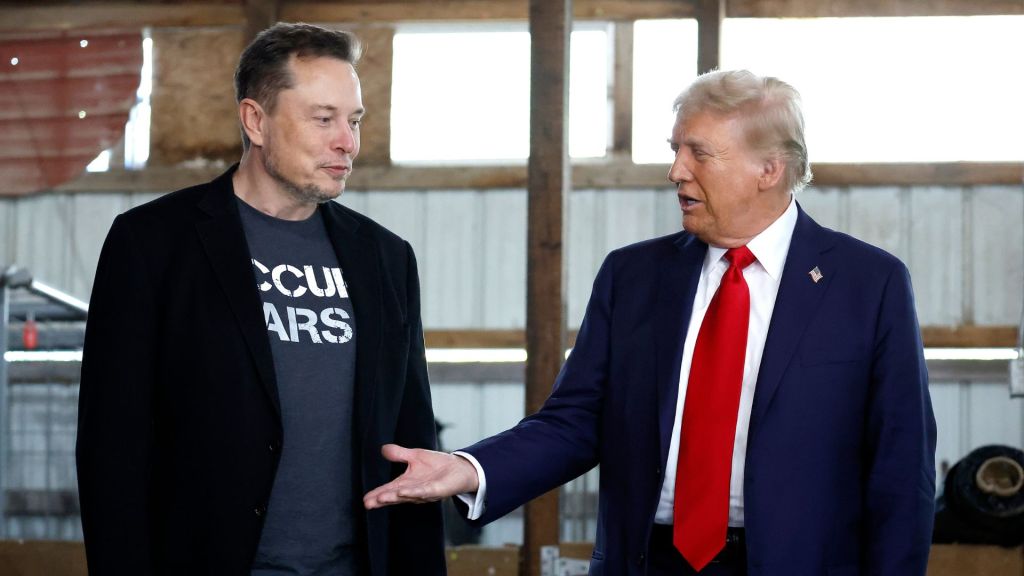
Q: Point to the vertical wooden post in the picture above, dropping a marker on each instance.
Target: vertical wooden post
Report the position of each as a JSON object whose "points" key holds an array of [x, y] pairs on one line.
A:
{"points": [[548, 186], [375, 75], [259, 15], [710, 14], [622, 92]]}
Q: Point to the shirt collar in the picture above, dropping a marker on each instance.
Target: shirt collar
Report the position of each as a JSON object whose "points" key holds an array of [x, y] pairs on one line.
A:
{"points": [[770, 247]]}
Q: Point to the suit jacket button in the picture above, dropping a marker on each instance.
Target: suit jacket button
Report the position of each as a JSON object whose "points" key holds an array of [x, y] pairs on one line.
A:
{"points": [[274, 446], [657, 471], [260, 511], [640, 559]]}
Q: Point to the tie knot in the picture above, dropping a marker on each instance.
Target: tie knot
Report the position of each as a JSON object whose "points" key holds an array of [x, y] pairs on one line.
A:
{"points": [[740, 257]]}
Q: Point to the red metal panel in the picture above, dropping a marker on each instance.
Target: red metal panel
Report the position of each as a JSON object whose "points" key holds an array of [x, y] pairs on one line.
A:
{"points": [[64, 98]]}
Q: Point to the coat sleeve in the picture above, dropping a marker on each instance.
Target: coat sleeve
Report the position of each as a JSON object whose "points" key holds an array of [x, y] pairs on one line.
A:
{"points": [[900, 491], [562, 440], [417, 530], [115, 423]]}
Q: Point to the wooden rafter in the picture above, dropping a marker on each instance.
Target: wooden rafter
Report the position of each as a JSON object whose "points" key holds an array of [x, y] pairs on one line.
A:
{"points": [[617, 175], [933, 336], [119, 13]]}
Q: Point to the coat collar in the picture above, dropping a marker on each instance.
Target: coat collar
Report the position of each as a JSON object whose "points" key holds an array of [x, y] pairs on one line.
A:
{"points": [[797, 300], [796, 304], [677, 287], [219, 226], [359, 258]]}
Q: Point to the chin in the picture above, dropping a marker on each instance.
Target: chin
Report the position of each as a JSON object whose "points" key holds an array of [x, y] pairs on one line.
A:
{"points": [[330, 191]]}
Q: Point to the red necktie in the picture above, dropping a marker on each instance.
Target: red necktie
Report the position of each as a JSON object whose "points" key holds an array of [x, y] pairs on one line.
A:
{"points": [[708, 435]]}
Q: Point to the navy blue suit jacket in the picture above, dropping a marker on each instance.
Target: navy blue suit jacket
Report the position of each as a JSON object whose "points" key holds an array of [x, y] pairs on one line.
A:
{"points": [[840, 473]]}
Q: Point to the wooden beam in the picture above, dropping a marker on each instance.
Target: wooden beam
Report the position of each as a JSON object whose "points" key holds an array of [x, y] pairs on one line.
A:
{"points": [[375, 76], [919, 174], [859, 8], [614, 175], [474, 338], [259, 15], [548, 185], [456, 10], [194, 113], [15, 17], [622, 93], [933, 336], [710, 14], [969, 336], [71, 15]]}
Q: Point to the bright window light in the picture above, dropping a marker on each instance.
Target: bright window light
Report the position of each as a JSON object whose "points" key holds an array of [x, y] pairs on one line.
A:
{"points": [[462, 93], [136, 130], [471, 355], [43, 356], [136, 133], [100, 164], [937, 89], [970, 353], [664, 62]]}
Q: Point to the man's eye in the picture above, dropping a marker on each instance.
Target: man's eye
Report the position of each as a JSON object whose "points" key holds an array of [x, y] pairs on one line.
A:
{"points": [[323, 120], [356, 123]]}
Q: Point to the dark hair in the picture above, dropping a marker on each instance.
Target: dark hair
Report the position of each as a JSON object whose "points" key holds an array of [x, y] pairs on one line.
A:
{"points": [[263, 71]]}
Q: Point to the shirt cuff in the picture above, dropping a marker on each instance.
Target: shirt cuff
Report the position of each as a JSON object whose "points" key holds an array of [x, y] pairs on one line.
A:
{"points": [[475, 502]]}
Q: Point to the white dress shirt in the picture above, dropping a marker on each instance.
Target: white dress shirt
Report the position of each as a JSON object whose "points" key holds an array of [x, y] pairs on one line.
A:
{"points": [[770, 247]]}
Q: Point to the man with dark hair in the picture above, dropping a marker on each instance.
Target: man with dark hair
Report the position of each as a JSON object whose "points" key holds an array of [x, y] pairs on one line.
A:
{"points": [[250, 345]]}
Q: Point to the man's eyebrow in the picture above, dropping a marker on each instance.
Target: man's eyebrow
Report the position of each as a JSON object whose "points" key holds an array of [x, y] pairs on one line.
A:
{"points": [[688, 142], [334, 109]]}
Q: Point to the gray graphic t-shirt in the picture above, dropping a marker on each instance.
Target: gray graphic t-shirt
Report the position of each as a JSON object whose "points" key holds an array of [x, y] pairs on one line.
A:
{"points": [[310, 524]]}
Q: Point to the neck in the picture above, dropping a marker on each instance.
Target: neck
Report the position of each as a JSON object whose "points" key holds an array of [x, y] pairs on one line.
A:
{"points": [[257, 188], [774, 214]]}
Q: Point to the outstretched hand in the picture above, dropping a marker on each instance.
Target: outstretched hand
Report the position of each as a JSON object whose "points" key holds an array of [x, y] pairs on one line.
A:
{"points": [[430, 476]]}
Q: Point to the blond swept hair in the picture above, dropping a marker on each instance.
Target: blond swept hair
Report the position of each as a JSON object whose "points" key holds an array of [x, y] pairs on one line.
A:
{"points": [[769, 107]]}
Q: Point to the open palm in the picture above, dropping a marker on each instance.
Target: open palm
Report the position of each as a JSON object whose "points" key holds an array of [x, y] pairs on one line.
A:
{"points": [[430, 476]]}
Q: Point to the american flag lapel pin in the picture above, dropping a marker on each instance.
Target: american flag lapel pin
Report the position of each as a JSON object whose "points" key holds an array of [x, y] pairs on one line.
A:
{"points": [[816, 275]]}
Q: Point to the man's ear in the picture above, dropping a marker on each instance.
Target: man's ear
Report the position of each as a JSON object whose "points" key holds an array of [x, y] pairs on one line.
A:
{"points": [[252, 115], [773, 168]]}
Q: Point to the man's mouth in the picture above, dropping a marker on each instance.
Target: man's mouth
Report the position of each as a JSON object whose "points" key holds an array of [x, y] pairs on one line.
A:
{"points": [[337, 170], [687, 202]]}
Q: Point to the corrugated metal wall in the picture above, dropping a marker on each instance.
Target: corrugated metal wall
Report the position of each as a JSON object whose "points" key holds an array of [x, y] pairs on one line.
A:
{"points": [[964, 247]]}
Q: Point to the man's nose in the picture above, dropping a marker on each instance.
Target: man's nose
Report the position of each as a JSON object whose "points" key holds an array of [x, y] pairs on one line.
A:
{"points": [[679, 172], [346, 140]]}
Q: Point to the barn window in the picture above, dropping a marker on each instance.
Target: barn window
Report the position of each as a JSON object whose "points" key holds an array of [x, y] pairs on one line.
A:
{"points": [[461, 93]]}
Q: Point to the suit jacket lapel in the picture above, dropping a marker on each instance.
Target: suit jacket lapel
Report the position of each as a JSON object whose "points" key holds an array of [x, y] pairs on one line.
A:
{"points": [[677, 288], [796, 304], [220, 231], [360, 264]]}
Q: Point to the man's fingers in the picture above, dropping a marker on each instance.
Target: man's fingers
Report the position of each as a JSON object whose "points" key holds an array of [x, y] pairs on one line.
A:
{"points": [[397, 492], [396, 453], [381, 496], [429, 477]]}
